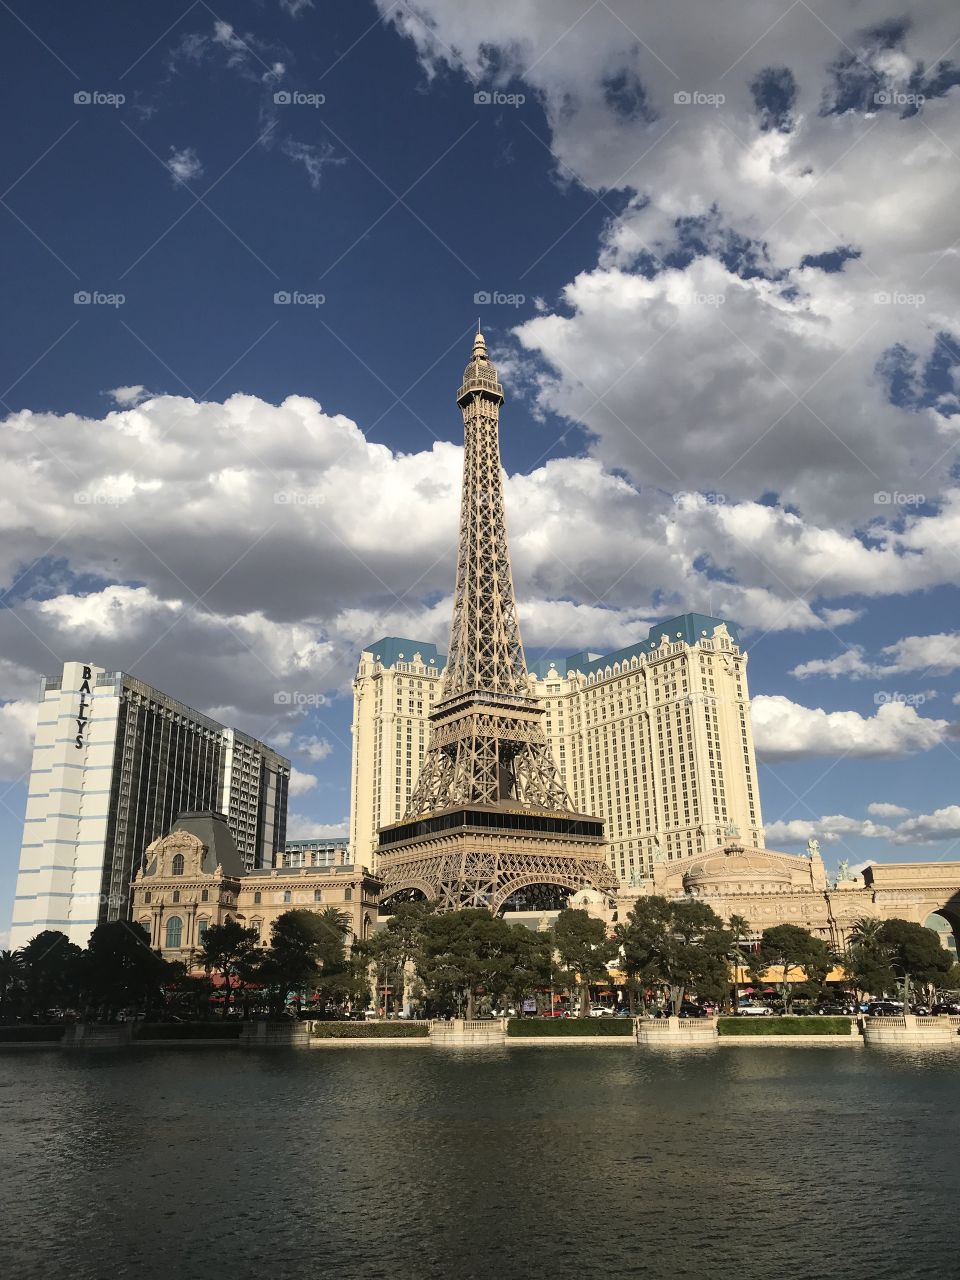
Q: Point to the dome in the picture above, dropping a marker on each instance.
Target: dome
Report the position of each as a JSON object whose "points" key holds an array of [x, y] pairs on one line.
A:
{"points": [[587, 898], [737, 873]]}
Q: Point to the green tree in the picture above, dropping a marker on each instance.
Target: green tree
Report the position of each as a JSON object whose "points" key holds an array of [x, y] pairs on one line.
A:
{"points": [[914, 953], [461, 951], [532, 964], [118, 969], [11, 983], [50, 972], [228, 949], [395, 946], [683, 946], [584, 951], [303, 946], [792, 948]]}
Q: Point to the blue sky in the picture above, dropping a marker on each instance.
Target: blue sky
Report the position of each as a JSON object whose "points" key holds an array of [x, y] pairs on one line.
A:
{"points": [[725, 280]]}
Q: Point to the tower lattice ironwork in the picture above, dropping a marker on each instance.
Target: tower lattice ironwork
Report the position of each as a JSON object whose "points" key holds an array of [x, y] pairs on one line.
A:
{"points": [[490, 814]]}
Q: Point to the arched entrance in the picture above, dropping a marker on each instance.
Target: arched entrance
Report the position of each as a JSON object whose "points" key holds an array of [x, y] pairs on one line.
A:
{"points": [[408, 893]]}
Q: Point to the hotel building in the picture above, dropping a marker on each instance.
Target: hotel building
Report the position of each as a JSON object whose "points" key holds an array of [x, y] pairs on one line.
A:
{"points": [[115, 762], [655, 739]]}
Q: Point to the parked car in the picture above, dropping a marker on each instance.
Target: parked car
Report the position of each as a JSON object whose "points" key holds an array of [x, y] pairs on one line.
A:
{"points": [[947, 1006], [601, 1011], [554, 1013], [756, 1011], [884, 1009]]}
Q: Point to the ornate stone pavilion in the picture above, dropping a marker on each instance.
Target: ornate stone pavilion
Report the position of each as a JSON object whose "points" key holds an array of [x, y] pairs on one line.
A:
{"points": [[769, 888], [193, 878]]}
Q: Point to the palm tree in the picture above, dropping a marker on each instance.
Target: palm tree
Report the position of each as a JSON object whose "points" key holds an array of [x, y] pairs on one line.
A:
{"points": [[865, 933], [739, 930]]}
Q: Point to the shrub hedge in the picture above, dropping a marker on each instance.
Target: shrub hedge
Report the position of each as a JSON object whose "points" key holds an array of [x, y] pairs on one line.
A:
{"points": [[570, 1027], [753, 1026], [188, 1030], [370, 1030], [29, 1034]]}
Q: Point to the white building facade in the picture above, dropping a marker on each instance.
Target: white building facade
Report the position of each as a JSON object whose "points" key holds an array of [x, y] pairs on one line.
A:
{"points": [[655, 739], [115, 762]]}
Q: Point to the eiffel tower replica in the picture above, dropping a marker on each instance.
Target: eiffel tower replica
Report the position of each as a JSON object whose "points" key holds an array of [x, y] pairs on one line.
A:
{"points": [[490, 822]]}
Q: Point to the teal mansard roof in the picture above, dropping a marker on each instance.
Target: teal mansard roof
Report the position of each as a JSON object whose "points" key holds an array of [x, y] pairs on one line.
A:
{"points": [[688, 627], [393, 649]]}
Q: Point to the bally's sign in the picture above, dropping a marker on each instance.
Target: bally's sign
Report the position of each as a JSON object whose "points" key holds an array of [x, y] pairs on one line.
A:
{"points": [[82, 717]]}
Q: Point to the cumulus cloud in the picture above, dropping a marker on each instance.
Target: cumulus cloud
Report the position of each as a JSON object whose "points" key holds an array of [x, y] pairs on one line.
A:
{"points": [[18, 723], [933, 654], [315, 749], [785, 730], [301, 783], [715, 303], [940, 827], [126, 397], [300, 827], [881, 809]]}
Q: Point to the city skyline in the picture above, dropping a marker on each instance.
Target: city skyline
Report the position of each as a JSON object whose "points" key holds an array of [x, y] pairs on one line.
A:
{"points": [[730, 387]]}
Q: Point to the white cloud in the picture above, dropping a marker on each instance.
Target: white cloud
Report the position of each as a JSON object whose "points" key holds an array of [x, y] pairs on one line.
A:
{"points": [[314, 157], [880, 809], [184, 164], [301, 783], [18, 723], [785, 730], [127, 397], [315, 749], [300, 827], [939, 827], [788, 389], [937, 654]]}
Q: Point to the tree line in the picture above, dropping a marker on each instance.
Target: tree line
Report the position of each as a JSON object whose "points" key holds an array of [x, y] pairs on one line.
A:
{"points": [[462, 963]]}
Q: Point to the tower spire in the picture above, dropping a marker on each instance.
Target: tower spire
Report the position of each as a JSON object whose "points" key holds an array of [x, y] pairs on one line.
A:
{"points": [[488, 765]]}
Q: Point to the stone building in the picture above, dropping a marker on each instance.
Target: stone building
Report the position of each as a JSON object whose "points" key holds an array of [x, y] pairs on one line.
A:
{"points": [[656, 739], [194, 877], [769, 888]]}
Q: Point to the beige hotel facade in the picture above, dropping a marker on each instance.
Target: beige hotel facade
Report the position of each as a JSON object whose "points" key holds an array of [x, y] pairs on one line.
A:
{"points": [[655, 739]]}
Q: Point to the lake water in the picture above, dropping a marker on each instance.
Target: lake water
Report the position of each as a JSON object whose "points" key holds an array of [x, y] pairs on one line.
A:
{"points": [[420, 1163]]}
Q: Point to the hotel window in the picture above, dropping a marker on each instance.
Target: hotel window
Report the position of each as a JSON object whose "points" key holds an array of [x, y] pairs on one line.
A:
{"points": [[286, 895], [202, 927], [257, 898], [177, 867], [318, 895], [204, 895], [176, 895], [147, 896], [174, 932], [348, 894]]}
